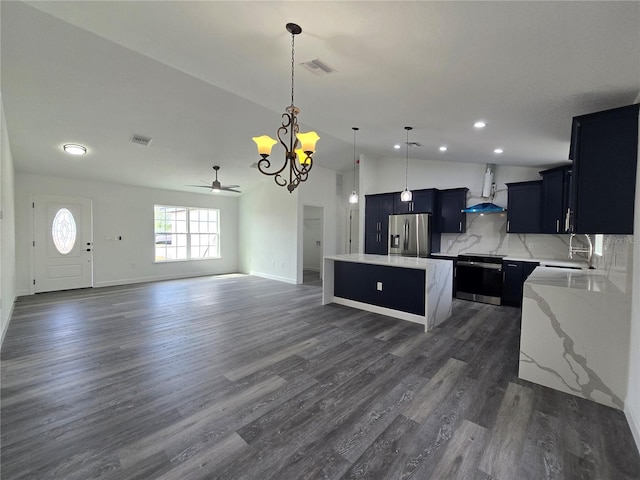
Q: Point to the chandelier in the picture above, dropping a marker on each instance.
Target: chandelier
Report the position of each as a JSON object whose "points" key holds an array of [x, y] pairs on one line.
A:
{"points": [[299, 147]]}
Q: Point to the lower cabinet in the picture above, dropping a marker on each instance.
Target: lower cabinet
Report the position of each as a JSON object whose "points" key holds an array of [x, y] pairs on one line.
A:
{"points": [[514, 274], [402, 289]]}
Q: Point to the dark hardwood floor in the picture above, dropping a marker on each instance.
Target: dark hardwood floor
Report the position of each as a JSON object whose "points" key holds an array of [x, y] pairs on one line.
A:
{"points": [[238, 377]]}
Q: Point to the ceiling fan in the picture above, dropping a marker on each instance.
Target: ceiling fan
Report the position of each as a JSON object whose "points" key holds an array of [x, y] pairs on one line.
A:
{"points": [[215, 185]]}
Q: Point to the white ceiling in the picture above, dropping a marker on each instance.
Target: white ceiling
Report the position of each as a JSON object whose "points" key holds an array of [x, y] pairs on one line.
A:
{"points": [[202, 78]]}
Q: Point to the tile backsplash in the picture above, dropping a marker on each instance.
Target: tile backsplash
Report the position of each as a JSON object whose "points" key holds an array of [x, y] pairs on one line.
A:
{"points": [[488, 234]]}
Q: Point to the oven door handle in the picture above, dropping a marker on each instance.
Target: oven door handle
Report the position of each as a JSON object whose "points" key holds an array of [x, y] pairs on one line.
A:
{"points": [[491, 266]]}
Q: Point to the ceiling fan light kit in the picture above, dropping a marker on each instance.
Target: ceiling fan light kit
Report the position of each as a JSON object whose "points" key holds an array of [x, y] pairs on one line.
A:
{"points": [[299, 147], [216, 187]]}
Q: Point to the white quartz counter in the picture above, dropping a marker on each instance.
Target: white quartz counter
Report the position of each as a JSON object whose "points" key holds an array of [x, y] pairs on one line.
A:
{"points": [[575, 334], [586, 280], [545, 262], [388, 260]]}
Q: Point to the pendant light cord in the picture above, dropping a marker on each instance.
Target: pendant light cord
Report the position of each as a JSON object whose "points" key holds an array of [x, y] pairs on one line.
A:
{"points": [[406, 168], [292, 65]]}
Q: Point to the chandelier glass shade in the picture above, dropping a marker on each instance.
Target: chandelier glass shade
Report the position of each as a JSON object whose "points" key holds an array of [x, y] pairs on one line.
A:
{"points": [[406, 195], [299, 147]]}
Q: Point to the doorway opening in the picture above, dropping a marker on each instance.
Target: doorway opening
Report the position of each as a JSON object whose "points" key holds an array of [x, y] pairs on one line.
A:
{"points": [[312, 245]]}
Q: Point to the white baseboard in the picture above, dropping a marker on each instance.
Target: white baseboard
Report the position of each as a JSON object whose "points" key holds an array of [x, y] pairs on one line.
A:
{"points": [[633, 418], [273, 277], [155, 278]]}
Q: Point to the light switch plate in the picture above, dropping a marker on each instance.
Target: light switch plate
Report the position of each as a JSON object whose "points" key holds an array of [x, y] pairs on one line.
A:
{"points": [[379, 286]]}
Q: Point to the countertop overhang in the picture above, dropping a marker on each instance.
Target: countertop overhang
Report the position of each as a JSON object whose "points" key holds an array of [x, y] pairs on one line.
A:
{"points": [[420, 263]]}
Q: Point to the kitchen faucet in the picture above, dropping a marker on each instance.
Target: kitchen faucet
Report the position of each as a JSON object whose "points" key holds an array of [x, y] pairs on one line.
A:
{"points": [[582, 249]]}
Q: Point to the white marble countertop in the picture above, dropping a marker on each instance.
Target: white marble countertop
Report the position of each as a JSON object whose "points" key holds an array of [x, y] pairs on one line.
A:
{"points": [[586, 280], [545, 262], [387, 260]]}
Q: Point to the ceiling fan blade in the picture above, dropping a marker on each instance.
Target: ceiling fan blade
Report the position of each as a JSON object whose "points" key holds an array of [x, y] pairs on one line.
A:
{"points": [[227, 189], [201, 186], [230, 186]]}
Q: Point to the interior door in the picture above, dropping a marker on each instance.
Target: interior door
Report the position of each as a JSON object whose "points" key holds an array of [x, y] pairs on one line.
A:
{"points": [[63, 243]]}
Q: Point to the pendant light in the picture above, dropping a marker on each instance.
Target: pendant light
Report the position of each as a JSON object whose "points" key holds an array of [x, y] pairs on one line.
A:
{"points": [[406, 195], [353, 198]]}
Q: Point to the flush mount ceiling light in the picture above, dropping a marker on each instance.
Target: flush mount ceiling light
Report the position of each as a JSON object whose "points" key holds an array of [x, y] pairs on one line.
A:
{"points": [[443, 148], [406, 195], [353, 198], [299, 147], [498, 151], [480, 124], [74, 149]]}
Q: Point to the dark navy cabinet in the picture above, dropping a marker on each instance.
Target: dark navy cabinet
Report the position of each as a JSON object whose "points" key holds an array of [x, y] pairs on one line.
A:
{"points": [[524, 207], [452, 202], [514, 274], [423, 201], [604, 150], [401, 289], [556, 184], [376, 223]]}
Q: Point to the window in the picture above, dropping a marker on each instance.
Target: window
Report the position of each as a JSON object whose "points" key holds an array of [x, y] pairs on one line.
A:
{"points": [[63, 231], [186, 233]]}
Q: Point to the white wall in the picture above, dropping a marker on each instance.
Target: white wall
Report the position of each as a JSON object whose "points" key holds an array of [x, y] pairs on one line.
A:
{"points": [[7, 229], [268, 231], [388, 175], [632, 402], [125, 211]]}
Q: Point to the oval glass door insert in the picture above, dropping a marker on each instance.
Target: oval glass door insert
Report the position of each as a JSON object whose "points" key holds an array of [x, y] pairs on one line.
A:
{"points": [[63, 231]]}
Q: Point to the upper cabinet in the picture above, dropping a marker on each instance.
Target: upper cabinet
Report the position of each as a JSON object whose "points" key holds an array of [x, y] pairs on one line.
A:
{"points": [[604, 150], [423, 201], [556, 184], [452, 202], [376, 223], [524, 207]]}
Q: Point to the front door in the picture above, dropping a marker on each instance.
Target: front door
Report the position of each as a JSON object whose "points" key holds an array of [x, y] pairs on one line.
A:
{"points": [[63, 243]]}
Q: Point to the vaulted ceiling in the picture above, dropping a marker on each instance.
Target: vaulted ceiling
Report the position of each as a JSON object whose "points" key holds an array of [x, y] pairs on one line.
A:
{"points": [[202, 78]]}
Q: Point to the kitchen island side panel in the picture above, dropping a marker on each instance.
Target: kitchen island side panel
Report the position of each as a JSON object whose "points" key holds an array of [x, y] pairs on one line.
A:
{"points": [[403, 289]]}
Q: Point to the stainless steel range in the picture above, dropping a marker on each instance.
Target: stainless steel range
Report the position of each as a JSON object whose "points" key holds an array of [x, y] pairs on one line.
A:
{"points": [[479, 278]]}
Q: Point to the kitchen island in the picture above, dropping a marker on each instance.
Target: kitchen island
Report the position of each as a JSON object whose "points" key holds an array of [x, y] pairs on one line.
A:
{"points": [[575, 334], [408, 288]]}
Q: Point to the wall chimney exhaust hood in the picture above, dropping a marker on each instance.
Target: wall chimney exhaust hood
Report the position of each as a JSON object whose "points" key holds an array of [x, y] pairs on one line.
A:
{"points": [[488, 192], [486, 207]]}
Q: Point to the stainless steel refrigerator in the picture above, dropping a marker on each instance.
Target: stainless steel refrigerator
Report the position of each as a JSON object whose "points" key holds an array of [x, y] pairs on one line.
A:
{"points": [[410, 234]]}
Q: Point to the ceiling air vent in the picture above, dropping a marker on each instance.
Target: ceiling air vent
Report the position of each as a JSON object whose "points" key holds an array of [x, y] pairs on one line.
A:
{"points": [[318, 67], [141, 140]]}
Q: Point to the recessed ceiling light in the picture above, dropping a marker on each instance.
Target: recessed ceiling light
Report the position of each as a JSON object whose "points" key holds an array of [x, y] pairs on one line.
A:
{"points": [[74, 149], [498, 151], [480, 124], [396, 146], [443, 148]]}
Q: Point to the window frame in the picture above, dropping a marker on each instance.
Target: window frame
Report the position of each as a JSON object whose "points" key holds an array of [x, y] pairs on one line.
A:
{"points": [[188, 233]]}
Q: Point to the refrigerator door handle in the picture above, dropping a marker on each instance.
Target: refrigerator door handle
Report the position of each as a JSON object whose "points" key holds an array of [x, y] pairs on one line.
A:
{"points": [[406, 235]]}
